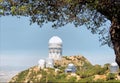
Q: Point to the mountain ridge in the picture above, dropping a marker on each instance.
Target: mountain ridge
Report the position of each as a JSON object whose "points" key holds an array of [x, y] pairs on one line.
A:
{"points": [[86, 72]]}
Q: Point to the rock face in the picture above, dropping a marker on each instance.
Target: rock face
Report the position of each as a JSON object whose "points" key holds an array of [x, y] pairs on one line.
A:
{"points": [[76, 60]]}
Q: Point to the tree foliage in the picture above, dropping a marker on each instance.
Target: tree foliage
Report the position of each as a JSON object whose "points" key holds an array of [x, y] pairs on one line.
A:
{"points": [[91, 13]]}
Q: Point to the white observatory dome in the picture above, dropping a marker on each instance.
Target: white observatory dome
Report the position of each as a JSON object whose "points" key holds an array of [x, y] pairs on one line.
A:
{"points": [[70, 64], [114, 64], [55, 40], [41, 61]]}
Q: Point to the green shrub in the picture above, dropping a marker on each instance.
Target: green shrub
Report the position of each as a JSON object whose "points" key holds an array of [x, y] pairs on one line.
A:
{"points": [[111, 76], [72, 79], [113, 81], [22, 76], [100, 81], [86, 80]]}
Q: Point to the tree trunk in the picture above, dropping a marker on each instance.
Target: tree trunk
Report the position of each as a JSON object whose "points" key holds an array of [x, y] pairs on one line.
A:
{"points": [[115, 38]]}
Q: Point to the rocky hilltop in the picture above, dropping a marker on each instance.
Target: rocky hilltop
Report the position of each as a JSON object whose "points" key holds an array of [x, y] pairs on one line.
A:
{"points": [[76, 60], [86, 72]]}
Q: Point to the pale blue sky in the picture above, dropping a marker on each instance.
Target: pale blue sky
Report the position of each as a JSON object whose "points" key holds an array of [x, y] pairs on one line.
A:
{"points": [[22, 44]]}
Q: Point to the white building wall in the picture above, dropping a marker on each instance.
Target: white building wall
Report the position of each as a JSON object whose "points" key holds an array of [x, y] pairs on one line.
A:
{"points": [[55, 48], [55, 51], [49, 63], [114, 68], [41, 63]]}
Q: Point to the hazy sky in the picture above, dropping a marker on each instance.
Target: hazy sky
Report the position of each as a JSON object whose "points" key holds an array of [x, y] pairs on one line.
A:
{"points": [[22, 44]]}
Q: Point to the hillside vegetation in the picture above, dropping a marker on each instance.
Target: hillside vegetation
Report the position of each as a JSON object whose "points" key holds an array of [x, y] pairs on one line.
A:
{"points": [[86, 72]]}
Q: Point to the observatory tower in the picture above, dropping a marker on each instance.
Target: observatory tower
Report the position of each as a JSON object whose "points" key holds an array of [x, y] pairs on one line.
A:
{"points": [[55, 48]]}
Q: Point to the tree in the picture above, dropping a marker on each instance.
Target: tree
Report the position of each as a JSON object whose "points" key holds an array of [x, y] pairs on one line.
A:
{"points": [[92, 13]]}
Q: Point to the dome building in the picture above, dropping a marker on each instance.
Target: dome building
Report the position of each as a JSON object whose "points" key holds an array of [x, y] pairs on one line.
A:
{"points": [[70, 68], [49, 63], [55, 48], [41, 63], [114, 68]]}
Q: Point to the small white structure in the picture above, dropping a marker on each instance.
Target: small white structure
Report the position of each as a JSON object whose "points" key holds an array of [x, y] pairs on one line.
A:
{"points": [[55, 48], [49, 63], [114, 68], [41, 63], [70, 68], [56, 70]]}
